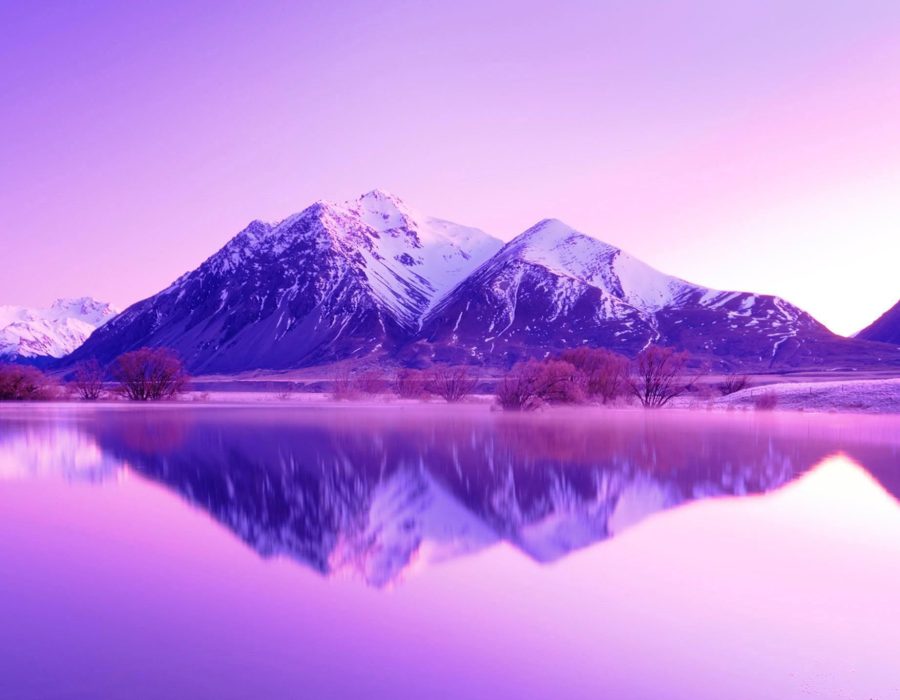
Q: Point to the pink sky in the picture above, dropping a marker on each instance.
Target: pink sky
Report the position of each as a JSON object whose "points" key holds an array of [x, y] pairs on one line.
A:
{"points": [[741, 145]]}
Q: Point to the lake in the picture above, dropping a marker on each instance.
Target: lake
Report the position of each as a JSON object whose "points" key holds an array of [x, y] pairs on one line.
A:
{"points": [[215, 551]]}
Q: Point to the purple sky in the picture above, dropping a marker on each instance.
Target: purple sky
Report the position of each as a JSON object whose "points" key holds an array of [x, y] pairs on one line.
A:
{"points": [[741, 145]]}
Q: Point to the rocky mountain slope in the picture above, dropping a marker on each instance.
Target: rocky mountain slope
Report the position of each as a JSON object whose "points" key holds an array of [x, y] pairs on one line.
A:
{"points": [[885, 329], [371, 278], [334, 281], [553, 288], [28, 334]]}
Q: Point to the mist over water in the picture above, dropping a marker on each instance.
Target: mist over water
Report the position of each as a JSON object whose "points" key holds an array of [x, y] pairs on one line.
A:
{"points": [[404, 551]]}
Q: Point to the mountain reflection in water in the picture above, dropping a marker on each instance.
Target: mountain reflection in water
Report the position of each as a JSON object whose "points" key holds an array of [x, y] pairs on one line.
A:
{"points": [[375, 492]]}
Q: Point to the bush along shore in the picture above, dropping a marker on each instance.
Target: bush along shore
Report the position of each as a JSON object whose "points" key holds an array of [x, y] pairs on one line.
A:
{"points": [[147, 374], [658, 377]]}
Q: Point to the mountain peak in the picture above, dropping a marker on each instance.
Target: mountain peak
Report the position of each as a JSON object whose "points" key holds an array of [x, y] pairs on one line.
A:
{"points": [[53, 331], [78, 302], [383, 211], [379, 195], [551, 234], [558, 247]]}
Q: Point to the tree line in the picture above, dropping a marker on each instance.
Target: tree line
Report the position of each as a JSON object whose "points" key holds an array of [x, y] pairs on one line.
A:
{"points": [[147, 374], [655, 377]]}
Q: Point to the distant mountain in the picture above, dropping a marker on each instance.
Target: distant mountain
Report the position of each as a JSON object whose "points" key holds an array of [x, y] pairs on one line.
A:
{"points": [[885, 329], [371, 278], [28, 334], [334, 281]]}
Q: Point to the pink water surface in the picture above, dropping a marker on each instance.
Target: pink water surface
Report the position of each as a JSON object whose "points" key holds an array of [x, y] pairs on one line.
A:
{"points": [[113, 587]]}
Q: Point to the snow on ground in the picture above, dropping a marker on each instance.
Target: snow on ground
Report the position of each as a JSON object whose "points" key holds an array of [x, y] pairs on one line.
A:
{"points": [[855, 396], [851, 396]]}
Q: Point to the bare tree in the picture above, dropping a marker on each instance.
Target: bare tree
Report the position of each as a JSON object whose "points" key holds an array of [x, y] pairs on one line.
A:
{"points": [[285, 391], [149, 374], [604, 373], [451, 383], [342, 386], [88, 381], [733, 383], [371, 381], [529, 385], [411, 384], [24, 383], [657, 376]]}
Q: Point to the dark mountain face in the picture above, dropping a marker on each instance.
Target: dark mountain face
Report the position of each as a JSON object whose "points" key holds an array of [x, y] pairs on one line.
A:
{"points": [[371, 278], [258, 306], [885, 329]]}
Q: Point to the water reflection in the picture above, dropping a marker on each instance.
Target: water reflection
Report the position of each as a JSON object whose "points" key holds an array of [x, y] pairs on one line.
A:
{"points": [[375, 493]]}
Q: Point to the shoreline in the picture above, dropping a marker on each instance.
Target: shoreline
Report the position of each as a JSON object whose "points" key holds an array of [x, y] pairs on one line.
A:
{"points": [[863, 397]]}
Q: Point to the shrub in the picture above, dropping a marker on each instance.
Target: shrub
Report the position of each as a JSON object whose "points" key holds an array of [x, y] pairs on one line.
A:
{"points": [[342, 386], [734, 383], [23, 383], [560, 382], [529, 385], [657, 376], [603, 372], [149, 374], [411, 384], [371, 381], [766, 401], [88, 381], [285, 391], [520, 389], [450, 383]]}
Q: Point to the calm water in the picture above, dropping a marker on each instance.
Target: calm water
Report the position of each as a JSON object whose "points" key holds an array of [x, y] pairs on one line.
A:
{"points": [[406, 552]]}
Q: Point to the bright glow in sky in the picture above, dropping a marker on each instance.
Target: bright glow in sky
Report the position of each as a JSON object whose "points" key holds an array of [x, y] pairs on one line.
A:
{"points": [[743, 145]]}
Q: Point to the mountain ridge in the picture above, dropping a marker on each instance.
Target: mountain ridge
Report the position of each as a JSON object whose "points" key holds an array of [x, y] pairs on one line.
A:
{"points": [[372, 278]]}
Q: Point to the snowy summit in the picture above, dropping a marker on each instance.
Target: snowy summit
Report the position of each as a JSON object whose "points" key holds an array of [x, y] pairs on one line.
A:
{"points": [[55, 331]]}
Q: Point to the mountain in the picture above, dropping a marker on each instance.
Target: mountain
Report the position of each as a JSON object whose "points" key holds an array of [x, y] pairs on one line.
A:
{"points": [[334, 281], [553, 288], [885, 329], [28, 334], [372, 278]]}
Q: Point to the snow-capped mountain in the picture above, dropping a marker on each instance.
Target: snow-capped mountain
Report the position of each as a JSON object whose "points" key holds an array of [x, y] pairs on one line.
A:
{"points": [[553, 287], [370, 277], [334, 281], [885, 329], [27, 333]]}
